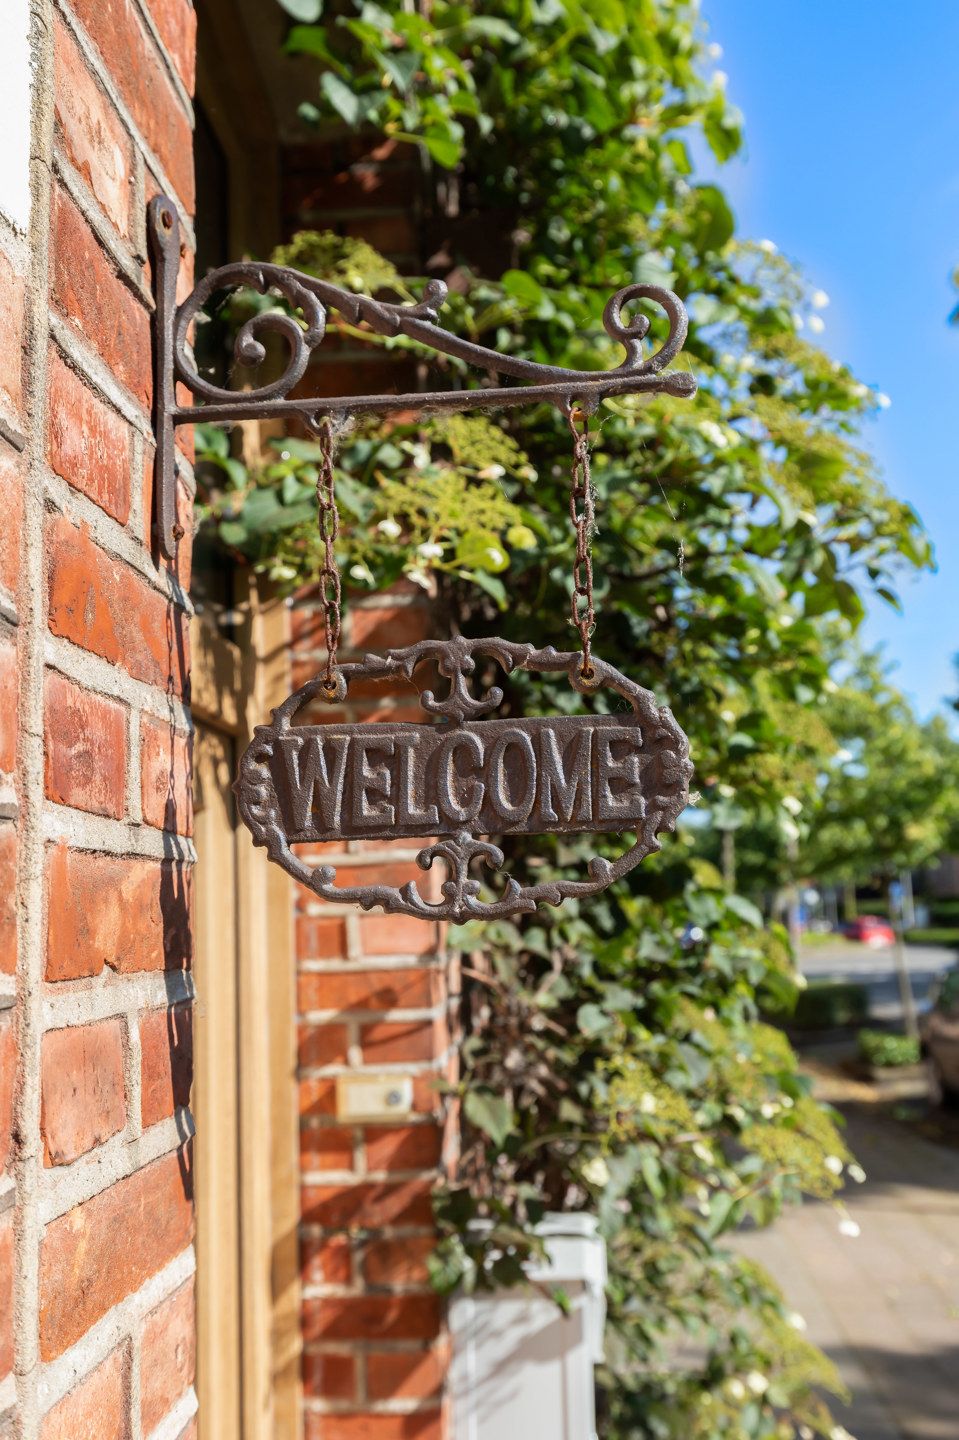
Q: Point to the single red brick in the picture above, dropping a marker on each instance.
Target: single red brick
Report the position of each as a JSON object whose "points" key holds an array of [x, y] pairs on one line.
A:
{"points": [[104, 1249], [12, 294], [135, 67], [6, 1291], [11, 501], [426, 1424], [326, 1261], [388, 627], [176, 22], [409, 1147], [168, 1356], [83, 1098], [93, 137], [96, 1409], [323, 1044], [85, 748], [317, 1097], [166, 776], [398, 1262], [98, 602], [399, 1375], [406, 1202], [320, 938], [8, 1085], [88, 444], [397, 935], [109, 910], [8, 899], [97, 302], [9, 689], [369, 990], [403, 1042], [372, 1317], [166, 1064], [326, 1148], [330, 1376]]}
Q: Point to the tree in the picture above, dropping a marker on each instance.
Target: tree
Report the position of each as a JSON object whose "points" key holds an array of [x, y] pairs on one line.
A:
{"points": [[616, 1060]]}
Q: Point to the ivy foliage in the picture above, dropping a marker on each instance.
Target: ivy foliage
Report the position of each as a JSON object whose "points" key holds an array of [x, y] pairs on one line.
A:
{"points": [[617, 1061]]}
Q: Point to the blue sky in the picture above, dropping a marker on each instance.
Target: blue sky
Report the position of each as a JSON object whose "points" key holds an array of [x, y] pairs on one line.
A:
{"points": [[852, 168]]}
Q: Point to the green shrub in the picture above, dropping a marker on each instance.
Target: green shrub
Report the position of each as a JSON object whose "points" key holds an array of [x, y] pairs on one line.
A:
{"points": [[885, 1052]]}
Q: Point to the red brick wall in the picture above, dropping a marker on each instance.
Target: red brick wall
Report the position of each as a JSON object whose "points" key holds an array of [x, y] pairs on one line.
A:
{"points": [[96, 1211], [374, 996]]}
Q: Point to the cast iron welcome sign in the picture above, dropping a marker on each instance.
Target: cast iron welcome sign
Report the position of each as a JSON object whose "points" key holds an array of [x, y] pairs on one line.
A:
{"points": [[464, 776]]}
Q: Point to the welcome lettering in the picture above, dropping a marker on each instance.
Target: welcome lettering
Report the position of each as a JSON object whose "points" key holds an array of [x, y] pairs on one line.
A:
{"points": [[367, 782]]}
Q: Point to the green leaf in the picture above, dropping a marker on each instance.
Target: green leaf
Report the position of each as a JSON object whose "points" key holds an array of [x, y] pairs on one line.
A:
{"points": [[522, 287], [341, 97], [593, 1020], [307, 11], [493, 1114]]}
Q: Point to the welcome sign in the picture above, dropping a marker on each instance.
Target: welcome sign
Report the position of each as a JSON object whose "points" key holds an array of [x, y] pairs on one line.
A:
{"points": [[463, 778]]}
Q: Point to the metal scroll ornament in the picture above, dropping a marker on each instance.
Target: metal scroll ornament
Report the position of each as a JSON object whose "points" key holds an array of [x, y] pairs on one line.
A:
{"points": [[464, 777]]}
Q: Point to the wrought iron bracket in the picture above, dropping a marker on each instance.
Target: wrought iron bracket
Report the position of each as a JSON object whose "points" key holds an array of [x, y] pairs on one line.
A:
{"points": [[312, 298]]}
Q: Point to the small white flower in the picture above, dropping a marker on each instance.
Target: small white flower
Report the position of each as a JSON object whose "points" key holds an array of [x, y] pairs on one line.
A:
{"points": [[362, 572], [801, 982], [726, 791], [768, 1109], [735, 1388], [805, 1433], [420, 577], [526, 472], [787, 1102], [769, 247], [714, 434], [284, 454], [860, 391], [790, 803], [786, 619], [647, 1104], [883, 401], [727, 716], [496, 556], [833, 1164], [491, 472], [857, 1173], [757, 1382], [702, 1152], [839, 1432], [848, 1226], [817, 324], [819, 299], [709, 1013], [714, 51], [429, 550], [790, 829], [797, 1321], [596, 1171], [737, 1113], [420, 455], [391, 528], [843, 755], [720, 79]]}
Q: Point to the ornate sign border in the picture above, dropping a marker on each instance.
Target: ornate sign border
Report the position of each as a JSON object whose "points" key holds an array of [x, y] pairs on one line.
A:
{"points": [[666, 780]]}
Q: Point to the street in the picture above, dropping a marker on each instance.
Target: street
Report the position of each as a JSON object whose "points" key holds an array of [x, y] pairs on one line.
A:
{"points": [[875, 968]]}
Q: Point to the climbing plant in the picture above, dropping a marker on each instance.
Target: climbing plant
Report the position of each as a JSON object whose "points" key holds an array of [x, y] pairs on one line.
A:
{"points": [[616, 1061]]}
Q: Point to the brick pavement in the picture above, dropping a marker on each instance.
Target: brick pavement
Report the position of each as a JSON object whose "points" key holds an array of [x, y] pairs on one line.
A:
{"points": [[885, 1304]]}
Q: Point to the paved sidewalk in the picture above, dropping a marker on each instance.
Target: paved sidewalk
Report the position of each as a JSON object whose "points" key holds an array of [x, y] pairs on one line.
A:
{"points": [[884, 1305]]}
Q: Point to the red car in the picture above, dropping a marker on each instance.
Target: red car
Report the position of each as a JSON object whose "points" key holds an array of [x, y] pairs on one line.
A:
{"points": [[871, 930]]}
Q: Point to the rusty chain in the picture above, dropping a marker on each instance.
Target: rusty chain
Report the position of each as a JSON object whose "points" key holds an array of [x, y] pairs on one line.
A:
{"points": [[329, 523], [583, 515]]}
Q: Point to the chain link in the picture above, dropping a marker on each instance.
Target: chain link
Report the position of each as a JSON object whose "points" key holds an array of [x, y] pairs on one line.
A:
{"points": [[329, 520], [583, 515]]}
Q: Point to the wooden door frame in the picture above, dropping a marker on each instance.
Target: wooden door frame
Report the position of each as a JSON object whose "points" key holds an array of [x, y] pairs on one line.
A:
{"points": [[235, 684]]}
